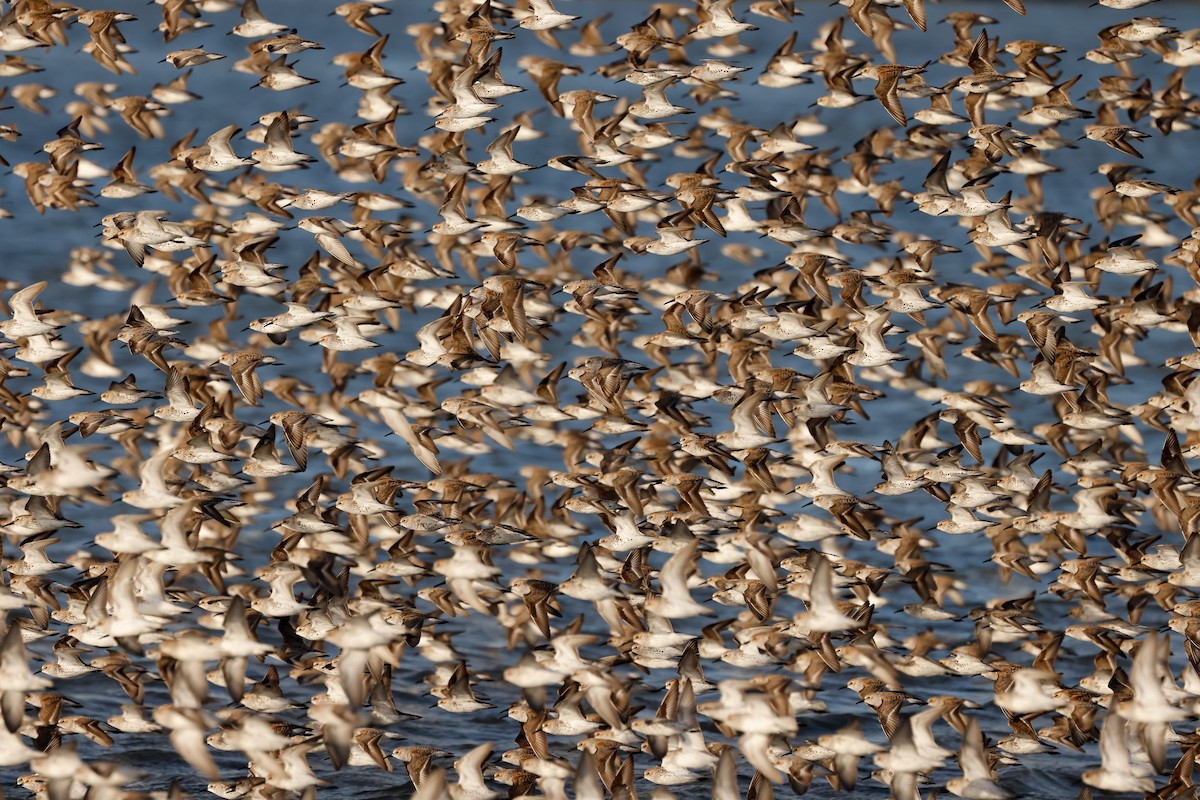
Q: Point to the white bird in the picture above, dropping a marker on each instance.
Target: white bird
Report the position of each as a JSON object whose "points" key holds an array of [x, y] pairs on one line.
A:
{"points": [[905, 763], [823, 614], [471, 785], [277, 154], [329, 232], [715, 21], [180, 405], [281, 76], [1027, 693], [654, 103], [1149, 707], [849, 746], [254, 23], [346, 337], [216, 154], [25, 321], [127, 618], [1117, 772], [468, 108], [977, 781], [289, 769], [153, 492], [16, 678], [543, 16], [674, 600], [1123, 259], [281, 602]]}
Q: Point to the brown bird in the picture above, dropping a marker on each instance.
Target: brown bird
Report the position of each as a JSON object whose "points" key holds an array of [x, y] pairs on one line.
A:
{"points": [[243, 366], [107, 45], [887, 84]]}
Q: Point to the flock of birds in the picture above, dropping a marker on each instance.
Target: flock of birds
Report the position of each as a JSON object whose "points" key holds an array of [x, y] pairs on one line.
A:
{"points": [[587, 456]]}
